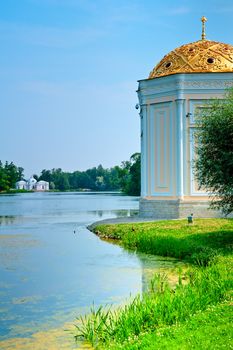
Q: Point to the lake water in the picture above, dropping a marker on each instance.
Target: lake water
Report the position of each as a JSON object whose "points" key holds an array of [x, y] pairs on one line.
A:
{"points": [[53, 269]]}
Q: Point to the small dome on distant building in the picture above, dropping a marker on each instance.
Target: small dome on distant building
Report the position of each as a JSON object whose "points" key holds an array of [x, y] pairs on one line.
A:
{"points": [[32, 180]]}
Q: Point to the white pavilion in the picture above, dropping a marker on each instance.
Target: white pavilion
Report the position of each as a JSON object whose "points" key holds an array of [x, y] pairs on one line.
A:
{"points": [[180, 84]]}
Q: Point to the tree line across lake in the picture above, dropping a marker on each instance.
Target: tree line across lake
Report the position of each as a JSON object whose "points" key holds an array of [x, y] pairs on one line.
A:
{"points": [[125, 178]]}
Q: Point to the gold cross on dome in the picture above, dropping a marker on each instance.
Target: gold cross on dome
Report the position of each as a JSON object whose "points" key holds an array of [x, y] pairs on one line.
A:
{"points": [[203, 35]]}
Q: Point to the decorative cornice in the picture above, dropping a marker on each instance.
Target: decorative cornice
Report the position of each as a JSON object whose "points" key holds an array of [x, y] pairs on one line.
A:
{"points": [[205, 84], [183, 85]]}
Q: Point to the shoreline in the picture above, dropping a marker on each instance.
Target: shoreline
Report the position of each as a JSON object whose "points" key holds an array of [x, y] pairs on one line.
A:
{"points": [[120, 220], [166, 316]]}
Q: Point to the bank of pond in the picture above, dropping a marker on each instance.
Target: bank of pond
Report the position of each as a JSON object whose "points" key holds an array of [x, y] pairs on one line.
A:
{"points": [[195, 312]]}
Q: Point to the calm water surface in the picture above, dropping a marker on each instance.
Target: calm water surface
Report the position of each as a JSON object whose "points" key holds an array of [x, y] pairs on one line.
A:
{"points": [[52, 268]]}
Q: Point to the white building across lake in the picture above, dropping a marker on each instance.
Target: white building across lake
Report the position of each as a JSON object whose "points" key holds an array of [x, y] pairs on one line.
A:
{"points": [[42, 186], [32, 185]]}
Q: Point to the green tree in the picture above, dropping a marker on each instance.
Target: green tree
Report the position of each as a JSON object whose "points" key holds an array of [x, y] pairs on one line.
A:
{"points": [[62, 182], [3, 178], [112, 178], [46, 175], [85, 181], [214, 163], [36, 177], [74, 180], [125, 177], [9, 175], [60, 179], [131, 175]]}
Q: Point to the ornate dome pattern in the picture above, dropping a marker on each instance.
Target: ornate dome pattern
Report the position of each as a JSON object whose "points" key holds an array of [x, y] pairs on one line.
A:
{"points": [[203, 56]]}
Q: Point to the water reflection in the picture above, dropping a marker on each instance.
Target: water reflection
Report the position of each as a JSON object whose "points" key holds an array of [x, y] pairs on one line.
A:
{"points": [[7, 219], [52, 268], [115, 213], [152, 265]]}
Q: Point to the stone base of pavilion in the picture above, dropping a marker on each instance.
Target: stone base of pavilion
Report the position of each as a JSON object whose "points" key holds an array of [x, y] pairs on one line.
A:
{"points": [[176, 209]]}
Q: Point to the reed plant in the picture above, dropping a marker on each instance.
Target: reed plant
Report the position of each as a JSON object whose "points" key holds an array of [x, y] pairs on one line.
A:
{"points": [[209, 329], [160, 306]]}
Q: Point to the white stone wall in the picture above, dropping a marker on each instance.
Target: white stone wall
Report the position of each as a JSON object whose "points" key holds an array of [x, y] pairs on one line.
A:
{"points": [[176, 209], [167, 114], [167, 110]]}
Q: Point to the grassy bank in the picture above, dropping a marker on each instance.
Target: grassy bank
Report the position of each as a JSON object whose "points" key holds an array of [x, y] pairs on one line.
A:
{"points": [[209, 329], [164, 317], [197, 243], [14, 191]]}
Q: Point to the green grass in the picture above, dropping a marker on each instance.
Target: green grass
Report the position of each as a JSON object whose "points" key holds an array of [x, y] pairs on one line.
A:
{"points": [[197, 243], [210, 329], [165, 317], [14, 191]]}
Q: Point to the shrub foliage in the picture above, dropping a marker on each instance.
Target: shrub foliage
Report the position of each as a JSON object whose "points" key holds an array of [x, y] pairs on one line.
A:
{"points": [[214, 163]]}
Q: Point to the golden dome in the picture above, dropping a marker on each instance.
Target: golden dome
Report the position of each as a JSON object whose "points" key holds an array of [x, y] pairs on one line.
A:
{"points": [[203, 56]]}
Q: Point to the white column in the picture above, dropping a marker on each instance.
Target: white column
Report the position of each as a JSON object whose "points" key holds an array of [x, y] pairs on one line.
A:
{"points": [[180, 147], [144, 167]]}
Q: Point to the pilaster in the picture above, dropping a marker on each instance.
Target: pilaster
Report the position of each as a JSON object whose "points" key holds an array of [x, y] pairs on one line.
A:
{"points": [[144, 160], [180, 147]]}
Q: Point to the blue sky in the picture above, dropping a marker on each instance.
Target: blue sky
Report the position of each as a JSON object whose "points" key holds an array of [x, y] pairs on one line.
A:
{"points": [[69, 71]]}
